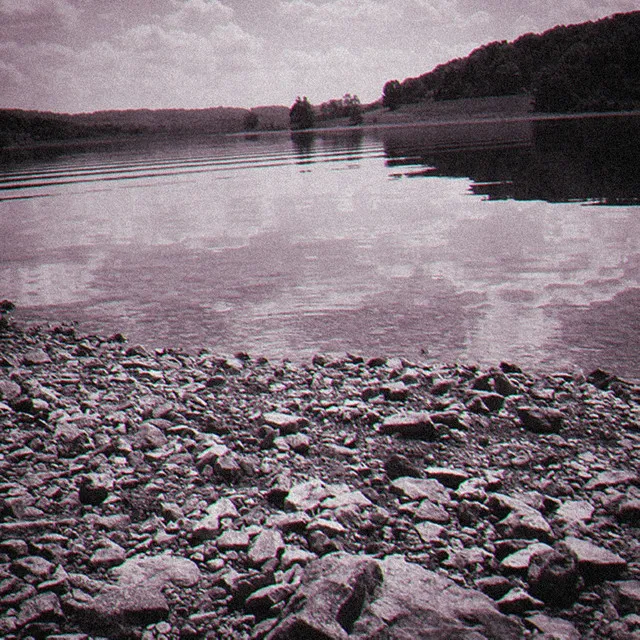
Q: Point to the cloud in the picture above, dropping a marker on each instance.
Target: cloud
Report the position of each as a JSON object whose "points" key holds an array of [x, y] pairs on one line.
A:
{"points": [[79, 55]]}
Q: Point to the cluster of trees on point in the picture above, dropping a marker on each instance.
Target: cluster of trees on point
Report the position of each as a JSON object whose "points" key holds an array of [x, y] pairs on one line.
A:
{"points": [[593, 66], [303, 115]]}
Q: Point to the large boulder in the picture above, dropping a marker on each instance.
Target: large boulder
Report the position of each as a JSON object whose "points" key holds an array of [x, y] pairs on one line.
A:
{"points": [[346, 597]]}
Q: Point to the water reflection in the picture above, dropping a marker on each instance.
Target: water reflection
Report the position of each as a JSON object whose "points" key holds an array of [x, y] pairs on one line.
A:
{"points": [[591, 160], [290, 244]]}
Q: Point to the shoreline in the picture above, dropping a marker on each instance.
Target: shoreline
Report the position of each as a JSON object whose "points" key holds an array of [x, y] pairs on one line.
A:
{"points": [[228, 486], [488, 117]]}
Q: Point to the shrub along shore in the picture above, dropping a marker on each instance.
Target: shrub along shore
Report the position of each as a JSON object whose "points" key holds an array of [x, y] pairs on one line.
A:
{"points": [[162, 494]]}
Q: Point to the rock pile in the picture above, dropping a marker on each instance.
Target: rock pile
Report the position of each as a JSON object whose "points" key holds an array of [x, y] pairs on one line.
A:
{"points": [[161, 494]]}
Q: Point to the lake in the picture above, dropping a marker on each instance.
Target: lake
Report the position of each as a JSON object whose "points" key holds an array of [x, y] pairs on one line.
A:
{"points": [[483, 242]]}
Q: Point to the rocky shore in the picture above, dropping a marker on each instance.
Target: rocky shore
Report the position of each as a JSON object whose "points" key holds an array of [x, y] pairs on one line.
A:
{"points": [[161, 494]]}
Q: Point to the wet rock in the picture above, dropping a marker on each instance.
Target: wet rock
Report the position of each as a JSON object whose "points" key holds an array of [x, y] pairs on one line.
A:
{"points": [[594, 563], [539, 420], [410, 425]]}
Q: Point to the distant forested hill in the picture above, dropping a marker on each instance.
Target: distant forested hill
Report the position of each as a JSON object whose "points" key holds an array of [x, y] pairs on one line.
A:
{"points": [[29, 128], [594, 66]]}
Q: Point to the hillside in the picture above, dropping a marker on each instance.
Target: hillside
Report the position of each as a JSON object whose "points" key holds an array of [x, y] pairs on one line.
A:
{"points": [[592, 66]]}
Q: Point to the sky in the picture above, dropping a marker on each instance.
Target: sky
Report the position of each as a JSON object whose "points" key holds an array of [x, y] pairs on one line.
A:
{"points": [[86, 55]]}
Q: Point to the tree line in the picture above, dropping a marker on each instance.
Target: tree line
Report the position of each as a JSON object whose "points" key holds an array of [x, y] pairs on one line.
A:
{"points": [[593, 66]]}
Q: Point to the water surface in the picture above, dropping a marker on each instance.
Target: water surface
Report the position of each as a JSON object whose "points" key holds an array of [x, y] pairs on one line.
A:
{"points": [[480, 242]]}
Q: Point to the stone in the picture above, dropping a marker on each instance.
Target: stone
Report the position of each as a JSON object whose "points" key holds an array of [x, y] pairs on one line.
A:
{"points": [[346, 499], [33, 565], [9, 390], [539, 420], [451, 478], [494, 586], [522, 521], [629, 511], [575, 511], [230, 539], [44, 606], [518, 562], [94, 488], [260, 601], [267, 546], [36, 357], [430, 532], [628, 595], [518, 601], [109, 556], [553, 577], [432, 512], [286, 423], [398, 465], [346, 597], [419, 489], [409, 425], [306, 495], [157, 571], [149, 437], [594, 563], [208, 527], [611, 479], [553, 628]]}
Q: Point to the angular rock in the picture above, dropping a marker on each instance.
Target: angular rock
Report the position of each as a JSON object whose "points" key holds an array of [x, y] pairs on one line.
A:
{"points": [[612, 479], [45, 606], [306, 495], [94, 488], [410, 425], [539, 420], [553, 628], [267, 545], [574, 511], [594, 563], [344, 597], [157, 571], [109, 556], [553, 577], [286, 423], [520, 560], [518, 601], [419, 489], [398, 465], [230, 540], [430, 532], [451, 478], [522, 521], [149, 437]]}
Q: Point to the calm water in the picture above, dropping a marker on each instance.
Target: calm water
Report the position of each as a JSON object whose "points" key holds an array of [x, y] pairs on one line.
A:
{"points": [[516, 241]]}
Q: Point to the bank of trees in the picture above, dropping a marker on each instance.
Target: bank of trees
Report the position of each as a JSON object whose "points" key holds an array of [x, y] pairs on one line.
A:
{"points": [[303, 115], [592, 66]]}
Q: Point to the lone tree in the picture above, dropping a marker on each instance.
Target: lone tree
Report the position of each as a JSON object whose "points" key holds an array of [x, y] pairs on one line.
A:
{"points": [[301, 114], [392, 95]]}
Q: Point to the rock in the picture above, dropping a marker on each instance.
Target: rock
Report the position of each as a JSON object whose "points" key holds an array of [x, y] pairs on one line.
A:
{"points": [[109, 556], [432, 512], [494, 586], [594, 563], [149, 437], [612, 479], [260, 601], [574, 511], [33, 565], [410, 425], [540, 420], [628, 596], [267, 545], [44, 606], [419, 489], [36, 357], [518, 601], [629, 511], [398, 465], [430, 533], [94, 488], [330, 600], [238, 540], [285, 423], [451, 478], [553, 577], [519, 561], [306, 495], [522, 521], [344, 596], [553, 628], [9, 390], [157, 571]]}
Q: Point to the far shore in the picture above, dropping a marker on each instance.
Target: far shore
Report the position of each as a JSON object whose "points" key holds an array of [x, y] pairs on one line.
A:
{"points": [[433, 114]]}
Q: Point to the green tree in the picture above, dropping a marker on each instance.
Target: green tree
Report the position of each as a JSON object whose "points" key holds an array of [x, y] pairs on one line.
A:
{"points": [[251, 121], [392, 95], [301, 114]]}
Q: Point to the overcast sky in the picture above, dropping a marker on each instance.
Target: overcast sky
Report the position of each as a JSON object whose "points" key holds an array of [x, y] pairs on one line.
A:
{"points": [[86, 55]]}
